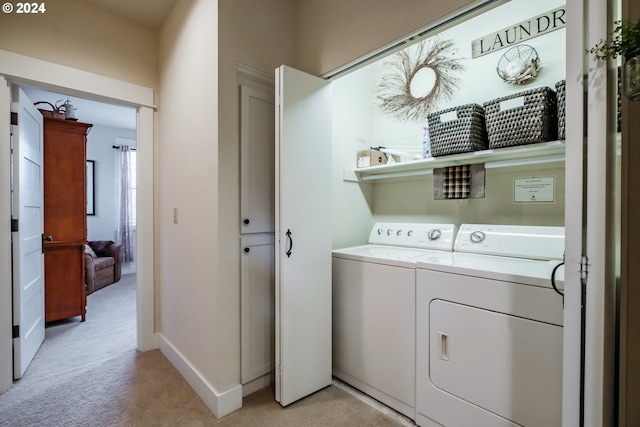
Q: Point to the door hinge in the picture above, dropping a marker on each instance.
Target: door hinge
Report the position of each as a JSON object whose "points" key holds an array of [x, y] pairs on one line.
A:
{"points": [[16, 332], [14, 119], [14, 225], [584, 267]]}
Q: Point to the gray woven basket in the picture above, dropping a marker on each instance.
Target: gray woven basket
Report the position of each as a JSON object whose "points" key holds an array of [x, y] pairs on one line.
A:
{"points": [[561, 95], [466, 132], [533, 120]]}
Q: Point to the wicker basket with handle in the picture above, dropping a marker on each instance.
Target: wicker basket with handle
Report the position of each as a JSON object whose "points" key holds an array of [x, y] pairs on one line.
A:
{"points": [[522, 118], [457, 130]]}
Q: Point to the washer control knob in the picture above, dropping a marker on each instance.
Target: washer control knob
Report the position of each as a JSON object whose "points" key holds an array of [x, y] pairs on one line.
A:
{"points": [[389, 231], [434, 234], [380, 231], [477, 236], [410, 233], [399, 233]]}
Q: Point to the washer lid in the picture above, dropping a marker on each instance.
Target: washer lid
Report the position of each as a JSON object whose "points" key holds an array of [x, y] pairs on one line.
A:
{"points": [[382, 254], [521, 241]]}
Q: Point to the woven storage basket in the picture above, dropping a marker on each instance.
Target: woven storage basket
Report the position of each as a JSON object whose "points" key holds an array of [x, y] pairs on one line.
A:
{"points": [[457, 130], [561, 95], [532, 119]]}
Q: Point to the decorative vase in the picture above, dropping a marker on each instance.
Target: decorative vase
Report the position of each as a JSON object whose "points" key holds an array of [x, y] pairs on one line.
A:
{"points": [[632, 78]]}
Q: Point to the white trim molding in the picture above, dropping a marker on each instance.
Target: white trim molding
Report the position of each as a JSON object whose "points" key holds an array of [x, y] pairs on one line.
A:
{"points": [[220, 403], [32, 71]]}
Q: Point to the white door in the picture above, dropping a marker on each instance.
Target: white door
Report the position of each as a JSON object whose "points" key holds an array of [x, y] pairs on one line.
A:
{"points": [[303, 234], [589, 288], [27, 210]]}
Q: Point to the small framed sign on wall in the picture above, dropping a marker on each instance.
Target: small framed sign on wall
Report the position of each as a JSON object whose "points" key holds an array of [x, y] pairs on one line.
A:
{"points": [[91, 197], [534, 190]]}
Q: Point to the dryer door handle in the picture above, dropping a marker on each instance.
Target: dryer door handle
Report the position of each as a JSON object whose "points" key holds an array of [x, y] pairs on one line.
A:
{"points": [[443, 346]]}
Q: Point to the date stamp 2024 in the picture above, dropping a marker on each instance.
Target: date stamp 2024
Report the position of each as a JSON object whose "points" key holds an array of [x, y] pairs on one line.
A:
{"points": [[24, 8]]}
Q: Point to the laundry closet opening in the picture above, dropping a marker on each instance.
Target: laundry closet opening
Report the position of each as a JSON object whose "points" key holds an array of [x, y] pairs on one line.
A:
{"points": [[476, 147]]}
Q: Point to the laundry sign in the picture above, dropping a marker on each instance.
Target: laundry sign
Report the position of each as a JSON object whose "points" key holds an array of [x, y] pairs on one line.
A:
{"points": [[516, 33], [534, 190]]}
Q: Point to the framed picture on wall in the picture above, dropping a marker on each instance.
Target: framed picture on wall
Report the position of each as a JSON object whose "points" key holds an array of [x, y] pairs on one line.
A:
{"points": [[91, 197]]}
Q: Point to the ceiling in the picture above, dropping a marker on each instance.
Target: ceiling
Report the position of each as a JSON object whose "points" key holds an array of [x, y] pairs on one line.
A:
{"points": [[149, 13]]}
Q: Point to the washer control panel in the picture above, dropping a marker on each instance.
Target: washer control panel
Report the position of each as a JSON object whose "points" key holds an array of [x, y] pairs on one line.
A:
{"points": [[414, 235]]}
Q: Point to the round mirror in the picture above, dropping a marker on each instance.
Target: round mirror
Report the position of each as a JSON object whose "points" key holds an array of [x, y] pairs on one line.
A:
{"points": [[423, 82]]}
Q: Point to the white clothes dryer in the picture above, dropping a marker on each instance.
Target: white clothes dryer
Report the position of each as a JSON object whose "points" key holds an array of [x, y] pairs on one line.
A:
{"points": [[374, 309], [489, 329]]}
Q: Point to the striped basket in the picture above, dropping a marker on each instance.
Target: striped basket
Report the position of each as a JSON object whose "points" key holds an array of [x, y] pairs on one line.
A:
{"points": [[522, 118], [457, 130]]}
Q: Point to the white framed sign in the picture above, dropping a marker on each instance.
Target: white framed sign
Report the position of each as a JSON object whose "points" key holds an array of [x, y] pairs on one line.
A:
{"points": [[534, 190]]}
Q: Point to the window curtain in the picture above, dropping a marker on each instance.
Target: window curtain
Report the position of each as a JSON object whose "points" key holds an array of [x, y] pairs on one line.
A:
{"points": [[124, 203]]}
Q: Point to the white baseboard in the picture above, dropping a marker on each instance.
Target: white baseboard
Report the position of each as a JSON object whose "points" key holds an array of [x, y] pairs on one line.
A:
{"points": [[220, 404]]}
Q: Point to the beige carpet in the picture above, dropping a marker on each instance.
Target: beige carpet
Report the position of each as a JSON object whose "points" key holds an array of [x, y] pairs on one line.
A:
{"points": [[90, 374]]}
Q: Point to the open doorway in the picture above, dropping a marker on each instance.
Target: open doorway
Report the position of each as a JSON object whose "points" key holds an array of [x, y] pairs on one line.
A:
{"points": [[109, 256], [24, 70]]}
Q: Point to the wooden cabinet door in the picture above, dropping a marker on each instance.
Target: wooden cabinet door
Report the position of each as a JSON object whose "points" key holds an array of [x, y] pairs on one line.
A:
{"points": [[65, 218]]}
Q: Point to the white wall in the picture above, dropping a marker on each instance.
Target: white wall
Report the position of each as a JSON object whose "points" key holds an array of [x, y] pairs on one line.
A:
{"points": [[189, 321], [79, 34], [100, 142]]}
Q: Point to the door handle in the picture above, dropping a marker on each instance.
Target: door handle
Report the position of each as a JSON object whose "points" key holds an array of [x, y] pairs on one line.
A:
{"points": [[290, 243], [46, 239]]}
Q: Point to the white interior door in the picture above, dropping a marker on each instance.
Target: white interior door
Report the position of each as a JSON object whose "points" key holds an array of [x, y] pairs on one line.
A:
{"points": [[589, 287], [303, 234], [27, 209]]}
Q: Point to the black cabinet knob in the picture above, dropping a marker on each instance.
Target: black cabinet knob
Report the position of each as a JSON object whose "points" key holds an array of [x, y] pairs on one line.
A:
{"points": [[246, 250], [246, 221]]}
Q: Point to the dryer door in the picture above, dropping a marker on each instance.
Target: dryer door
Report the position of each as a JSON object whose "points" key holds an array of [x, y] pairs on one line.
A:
{"points": [[507, 365]]}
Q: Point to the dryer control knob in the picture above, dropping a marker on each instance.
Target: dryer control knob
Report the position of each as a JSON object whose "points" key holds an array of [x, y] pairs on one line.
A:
{"points": [[410, 233], [477, 236], [399, 233], [434, 234], [389, 231], [379, 231]]}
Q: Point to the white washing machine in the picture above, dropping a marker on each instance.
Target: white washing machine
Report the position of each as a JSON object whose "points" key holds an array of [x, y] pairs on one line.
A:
{"points": [[489, 329], [374, 320]]}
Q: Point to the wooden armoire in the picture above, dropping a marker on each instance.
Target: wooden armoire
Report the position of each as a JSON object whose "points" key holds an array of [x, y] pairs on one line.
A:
{"points": [[65, 218]]}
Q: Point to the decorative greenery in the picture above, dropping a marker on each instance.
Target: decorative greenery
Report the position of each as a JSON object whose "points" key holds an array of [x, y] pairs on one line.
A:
{"points": [[624, 41], [395, 88]]}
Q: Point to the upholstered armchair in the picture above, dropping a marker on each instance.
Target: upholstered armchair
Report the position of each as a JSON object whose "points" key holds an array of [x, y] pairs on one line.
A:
{"points": [[103, 264]]}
